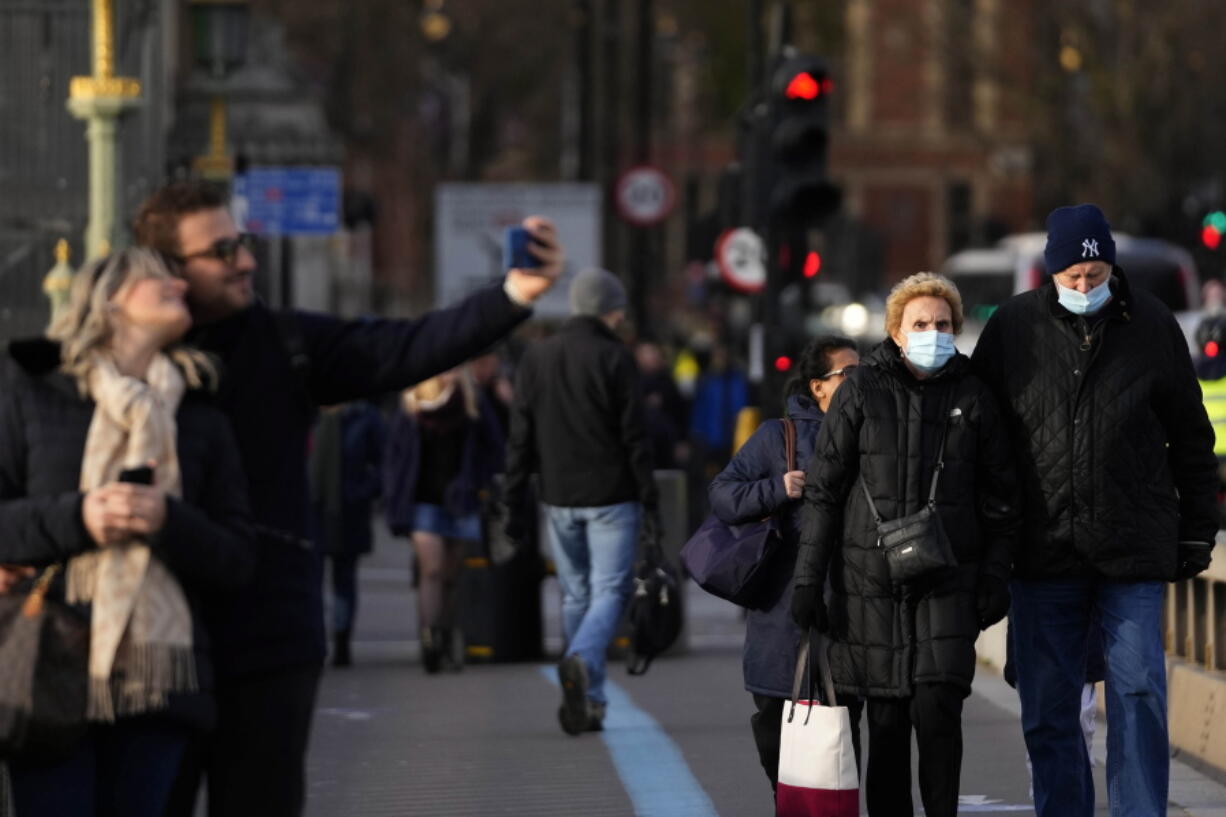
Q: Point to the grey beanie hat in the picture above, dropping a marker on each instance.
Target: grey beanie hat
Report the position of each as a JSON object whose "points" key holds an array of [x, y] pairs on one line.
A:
{"points": [[596, 292]]}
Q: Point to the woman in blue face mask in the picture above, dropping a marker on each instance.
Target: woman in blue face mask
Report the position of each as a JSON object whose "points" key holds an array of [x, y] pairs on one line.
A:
{"points": [[909, 648]]}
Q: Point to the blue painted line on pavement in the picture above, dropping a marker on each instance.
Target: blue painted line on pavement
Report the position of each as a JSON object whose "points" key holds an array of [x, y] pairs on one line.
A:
{"points": [[651, 767]]}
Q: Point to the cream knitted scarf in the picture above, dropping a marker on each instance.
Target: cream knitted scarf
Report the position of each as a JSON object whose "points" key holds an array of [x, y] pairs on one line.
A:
{"points": [[140, 644]]}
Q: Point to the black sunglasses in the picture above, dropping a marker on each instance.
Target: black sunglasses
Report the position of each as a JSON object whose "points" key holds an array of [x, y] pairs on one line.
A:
{"points": [[223, 249]]}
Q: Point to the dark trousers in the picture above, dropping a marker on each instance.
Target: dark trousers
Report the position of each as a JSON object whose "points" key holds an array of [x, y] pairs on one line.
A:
{"points": [[936, 713], [125, 769], [255, 761], [767, 722], [344, 590]]}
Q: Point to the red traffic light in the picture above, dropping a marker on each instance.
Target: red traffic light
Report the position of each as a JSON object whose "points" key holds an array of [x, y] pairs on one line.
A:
{"points": [[813, 264], [1210, 237], [1211, 349], [803, 86], [783, 363]]}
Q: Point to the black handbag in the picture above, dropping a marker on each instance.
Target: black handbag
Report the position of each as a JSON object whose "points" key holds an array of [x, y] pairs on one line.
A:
{"points": [[729, 561], [916, 546], [44, 652]]}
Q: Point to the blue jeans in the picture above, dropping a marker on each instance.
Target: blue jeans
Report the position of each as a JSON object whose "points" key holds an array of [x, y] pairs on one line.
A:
{"points": [[124, 769], [593, 549], [1051, 621]]}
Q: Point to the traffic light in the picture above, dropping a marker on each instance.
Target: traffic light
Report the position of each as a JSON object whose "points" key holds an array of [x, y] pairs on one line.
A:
{"points": [[1212, 228], [798, 192]]}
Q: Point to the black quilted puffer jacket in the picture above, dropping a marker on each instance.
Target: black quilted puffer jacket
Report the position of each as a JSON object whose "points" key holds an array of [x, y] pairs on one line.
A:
{"points": [[1114, 449], [885, 425]]}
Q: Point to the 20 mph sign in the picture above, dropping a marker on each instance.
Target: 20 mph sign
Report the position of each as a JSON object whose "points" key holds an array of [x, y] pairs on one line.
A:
{"points": [[741, 256], [645, 196]]}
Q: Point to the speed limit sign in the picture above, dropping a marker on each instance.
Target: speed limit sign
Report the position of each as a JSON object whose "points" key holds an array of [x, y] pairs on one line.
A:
{"points": [[645, 196]]}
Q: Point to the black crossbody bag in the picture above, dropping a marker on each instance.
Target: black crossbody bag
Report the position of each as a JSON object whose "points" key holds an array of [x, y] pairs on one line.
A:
{"points": [[916, 546]]}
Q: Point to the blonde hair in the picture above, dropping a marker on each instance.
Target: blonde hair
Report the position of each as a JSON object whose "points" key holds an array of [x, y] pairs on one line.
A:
{"points": [[84, 327], [919, 285], [432, 394]]}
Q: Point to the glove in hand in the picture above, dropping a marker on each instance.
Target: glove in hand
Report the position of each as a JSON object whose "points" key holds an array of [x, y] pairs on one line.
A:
{"points": [[1194, 558], [991, 600], [808, 608]]}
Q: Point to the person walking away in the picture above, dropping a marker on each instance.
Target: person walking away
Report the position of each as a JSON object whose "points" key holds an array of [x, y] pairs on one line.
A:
{"points": [[663, 407], [279, 367], [112, 389], [444, 450], [577, 418], [1115, 454], [346, 479], [911, 428], [757, 484]]}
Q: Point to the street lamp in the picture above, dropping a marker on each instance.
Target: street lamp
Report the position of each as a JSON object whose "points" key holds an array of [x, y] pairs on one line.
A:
{"points": [[219, 39], [100, 100]]}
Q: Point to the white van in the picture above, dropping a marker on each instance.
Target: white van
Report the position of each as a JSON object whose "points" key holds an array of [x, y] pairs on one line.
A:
{"points": [[986, 277]]}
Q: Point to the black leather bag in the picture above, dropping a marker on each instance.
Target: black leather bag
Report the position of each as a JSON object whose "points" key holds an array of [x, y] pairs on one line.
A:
{"points": [[654, 611], [916, 546], [44, 656]]}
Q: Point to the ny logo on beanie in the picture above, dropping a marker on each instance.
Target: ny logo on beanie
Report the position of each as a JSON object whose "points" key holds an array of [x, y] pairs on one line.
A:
{"points": [[1089, 248]]}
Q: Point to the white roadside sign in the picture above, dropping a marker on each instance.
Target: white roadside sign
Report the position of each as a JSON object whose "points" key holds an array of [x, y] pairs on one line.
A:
{"points": [[470, 220], [740, 254]]}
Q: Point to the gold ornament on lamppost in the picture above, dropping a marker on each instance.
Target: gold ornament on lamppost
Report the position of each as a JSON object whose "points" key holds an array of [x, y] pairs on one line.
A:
{"points": [[58, 282], [220, 41], [100, 100]]}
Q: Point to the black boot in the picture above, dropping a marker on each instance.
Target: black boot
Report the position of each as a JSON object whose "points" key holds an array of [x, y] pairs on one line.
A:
{"points": [[433, 646], [341, 656]]}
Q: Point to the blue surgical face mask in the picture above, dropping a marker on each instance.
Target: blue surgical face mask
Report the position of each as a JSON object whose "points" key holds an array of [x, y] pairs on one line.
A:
{"points": [[929, 351], [1084, 303]]}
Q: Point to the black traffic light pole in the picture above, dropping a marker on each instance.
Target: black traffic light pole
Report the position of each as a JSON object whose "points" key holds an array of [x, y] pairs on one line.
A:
{"points": [[642, 257]]}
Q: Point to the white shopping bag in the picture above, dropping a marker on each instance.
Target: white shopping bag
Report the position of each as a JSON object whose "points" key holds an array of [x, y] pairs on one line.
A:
{"points": [[817, 765]]}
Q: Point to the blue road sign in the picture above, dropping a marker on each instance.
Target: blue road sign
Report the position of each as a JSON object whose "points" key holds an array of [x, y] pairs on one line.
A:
{"points": [[289, 200]]}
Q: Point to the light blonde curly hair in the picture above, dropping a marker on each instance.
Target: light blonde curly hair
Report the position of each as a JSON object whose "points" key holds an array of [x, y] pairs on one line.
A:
{"points": [[84, 327], [917, 286]]}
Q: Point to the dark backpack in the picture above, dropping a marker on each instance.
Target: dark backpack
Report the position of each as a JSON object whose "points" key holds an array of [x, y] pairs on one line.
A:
{"points": [[654, 612]]}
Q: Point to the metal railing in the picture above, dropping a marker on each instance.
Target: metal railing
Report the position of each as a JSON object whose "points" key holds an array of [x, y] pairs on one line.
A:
{"points": [[1194, 619]]}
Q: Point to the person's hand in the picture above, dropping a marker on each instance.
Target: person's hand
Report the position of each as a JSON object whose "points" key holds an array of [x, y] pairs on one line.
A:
{"points": [[991, 600], [1194, 558], [116, 512], [530, 284], [809, 608], [650, 530], [11, 576], [794, 484]]}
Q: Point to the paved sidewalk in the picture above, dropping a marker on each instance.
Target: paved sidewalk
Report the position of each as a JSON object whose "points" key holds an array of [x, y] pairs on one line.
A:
{"points": [[390, 740]]}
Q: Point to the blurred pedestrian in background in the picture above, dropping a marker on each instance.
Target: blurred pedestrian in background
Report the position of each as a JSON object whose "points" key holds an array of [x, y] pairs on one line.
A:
{"points": [[909, 649], [720, 393], [445, 446], [578, 421], [757, 484], [279, 367], [346, 479], [112, 391], [664, 409], [1116, 456]]}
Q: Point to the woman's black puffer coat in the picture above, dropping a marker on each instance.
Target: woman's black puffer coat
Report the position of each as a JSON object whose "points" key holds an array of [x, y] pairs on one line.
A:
{"points": [[206, 541], [885, 425]]}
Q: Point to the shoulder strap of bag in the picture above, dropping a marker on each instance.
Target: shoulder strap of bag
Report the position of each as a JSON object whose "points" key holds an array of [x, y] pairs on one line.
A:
{"points": [[789, 439]]}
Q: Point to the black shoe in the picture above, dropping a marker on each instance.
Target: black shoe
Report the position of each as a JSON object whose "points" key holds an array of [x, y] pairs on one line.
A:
{"points": [[595, 717], [341, 656], [432, 648], [572, 674]]}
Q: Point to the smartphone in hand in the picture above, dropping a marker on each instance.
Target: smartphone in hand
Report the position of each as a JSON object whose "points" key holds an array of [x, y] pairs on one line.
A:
{"points": [[141, 475], [515, 254]]}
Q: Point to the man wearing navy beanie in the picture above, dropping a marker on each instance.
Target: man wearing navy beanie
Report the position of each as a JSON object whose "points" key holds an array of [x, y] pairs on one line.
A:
{"points": [[1116, 455]]}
